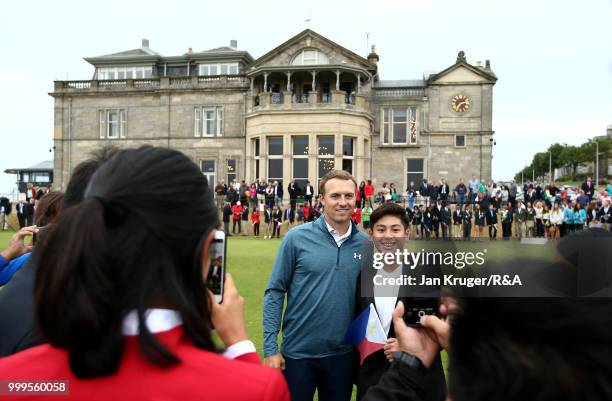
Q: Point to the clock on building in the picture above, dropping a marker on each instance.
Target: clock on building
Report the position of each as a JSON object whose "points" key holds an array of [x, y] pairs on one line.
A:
{"points": [[460, 103]]}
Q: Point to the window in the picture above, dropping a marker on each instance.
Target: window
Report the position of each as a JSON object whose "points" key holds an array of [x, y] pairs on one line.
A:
{"points": [[399, 126], [208, 121], [123, 72], [415, 171], [255, 144], [112, 123], [40, 177], [310, 57], [275, 146], [460, 141], [300, 160], [218, 69], [326, 154], [348, 149], [208, 169], [231, 169], [275, 158]]}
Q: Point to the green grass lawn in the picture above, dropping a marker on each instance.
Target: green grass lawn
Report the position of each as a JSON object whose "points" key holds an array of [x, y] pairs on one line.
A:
{"points": [[250, 261]]}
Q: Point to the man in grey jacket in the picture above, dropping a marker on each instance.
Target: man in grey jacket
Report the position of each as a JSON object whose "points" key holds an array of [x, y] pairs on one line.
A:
{"points": [[316, 268]]}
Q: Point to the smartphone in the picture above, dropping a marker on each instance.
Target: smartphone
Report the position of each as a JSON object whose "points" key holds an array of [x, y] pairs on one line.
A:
{"points": [[419, 307], [215, 279]]}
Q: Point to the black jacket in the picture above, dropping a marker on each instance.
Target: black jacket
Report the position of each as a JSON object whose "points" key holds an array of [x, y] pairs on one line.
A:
{"points": [[374, 366], [491, 218], [399, 383]]}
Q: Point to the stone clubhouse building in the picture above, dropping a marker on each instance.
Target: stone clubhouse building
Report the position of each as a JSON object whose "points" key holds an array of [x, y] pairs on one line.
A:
{"points": [[307, 106]]}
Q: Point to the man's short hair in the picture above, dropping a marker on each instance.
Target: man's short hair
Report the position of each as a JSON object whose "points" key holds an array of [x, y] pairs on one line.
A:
{"points": [[336, 174], [389, 209]]}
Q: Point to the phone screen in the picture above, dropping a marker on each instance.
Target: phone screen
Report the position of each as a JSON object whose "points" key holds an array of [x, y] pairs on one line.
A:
{"points": [[215, 279], [418, 307]]}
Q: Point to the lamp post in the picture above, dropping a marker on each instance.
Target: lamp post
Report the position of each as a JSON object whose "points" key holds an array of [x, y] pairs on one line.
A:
{"points": [[550, 177], [596, 163]]}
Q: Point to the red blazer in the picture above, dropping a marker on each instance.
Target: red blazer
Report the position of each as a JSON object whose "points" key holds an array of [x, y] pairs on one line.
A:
{"points": [[201, 375]]}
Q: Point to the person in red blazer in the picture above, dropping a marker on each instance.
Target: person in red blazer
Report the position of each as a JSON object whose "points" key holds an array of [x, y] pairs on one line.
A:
{"points": [[121, 296]]}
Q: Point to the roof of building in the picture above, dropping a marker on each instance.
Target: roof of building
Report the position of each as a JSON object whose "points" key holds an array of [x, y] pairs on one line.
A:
{"points": [[143, 51], [47, 165], [400, 83]]}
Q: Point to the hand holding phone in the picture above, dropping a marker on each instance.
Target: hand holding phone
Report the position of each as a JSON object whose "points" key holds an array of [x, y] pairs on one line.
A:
{"points": [[228, 317], [215, 279]]}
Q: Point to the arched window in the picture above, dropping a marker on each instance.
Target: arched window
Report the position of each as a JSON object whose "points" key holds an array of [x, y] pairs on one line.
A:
{"points": [[310, 57]]}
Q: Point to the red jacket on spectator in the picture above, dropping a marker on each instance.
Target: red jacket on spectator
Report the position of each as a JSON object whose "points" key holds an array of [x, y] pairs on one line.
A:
{"points": [[356, 216], [306, 212], [237, 211], [200, 374], [255, 217], [369, 190]]}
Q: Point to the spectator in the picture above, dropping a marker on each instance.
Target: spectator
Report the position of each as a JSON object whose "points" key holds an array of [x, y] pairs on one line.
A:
{"points": [[237, 210], [245, 220], [424, 191], [539, 219], [277, 221], [308, 193], [473, 185], [20, 214], [369, 193], [362, 195], [227, 214], [546, 356], [466, 220], [588, 189], [491, 219], [255, 218], [460, 190], [115, 338], [15, 257], [28, 212], [506, 221], [220, 192]]}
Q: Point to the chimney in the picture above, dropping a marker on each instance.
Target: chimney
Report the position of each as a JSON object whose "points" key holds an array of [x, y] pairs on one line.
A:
{"points": [[189, 50], [145, 43], [373, 57], [479, 64], [488, 64], [234, 44]]}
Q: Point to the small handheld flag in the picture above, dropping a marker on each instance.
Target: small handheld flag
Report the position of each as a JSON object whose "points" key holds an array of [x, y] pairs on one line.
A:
{"points": [[366, 333]]}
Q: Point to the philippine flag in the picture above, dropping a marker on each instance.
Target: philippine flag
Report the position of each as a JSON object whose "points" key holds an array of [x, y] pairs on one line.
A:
{"points": [[366, 333]]}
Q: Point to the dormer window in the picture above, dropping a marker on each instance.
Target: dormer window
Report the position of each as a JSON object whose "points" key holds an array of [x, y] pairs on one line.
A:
{"points": [[310, 57]]}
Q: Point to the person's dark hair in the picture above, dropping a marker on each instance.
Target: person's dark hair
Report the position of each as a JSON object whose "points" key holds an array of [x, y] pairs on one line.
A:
{"points": [[133, 243], [48, 208], [389, 209], [82, 174], [531, 349]]}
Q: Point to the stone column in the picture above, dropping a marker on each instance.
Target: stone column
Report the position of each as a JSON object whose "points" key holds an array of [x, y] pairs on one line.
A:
{"points": [[337, 80], [265, 88], [287, 98], [338, 97], [314, 83], [252, 82], [264, 99], [312, 161], [288, 81], [313, 97], [358, 83]]}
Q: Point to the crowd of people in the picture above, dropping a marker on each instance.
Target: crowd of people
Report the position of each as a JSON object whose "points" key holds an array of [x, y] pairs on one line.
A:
{"points": [[475, 210], [112, 303]]}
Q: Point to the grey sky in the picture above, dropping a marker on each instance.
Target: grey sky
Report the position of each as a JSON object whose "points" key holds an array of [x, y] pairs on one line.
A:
{"points": [[553, 58]]}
